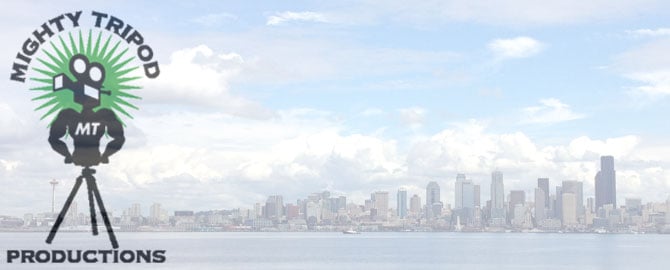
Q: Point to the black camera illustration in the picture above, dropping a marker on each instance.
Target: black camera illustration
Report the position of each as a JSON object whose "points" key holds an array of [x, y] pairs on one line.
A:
{"points": [[86, 128], [87, 88]]}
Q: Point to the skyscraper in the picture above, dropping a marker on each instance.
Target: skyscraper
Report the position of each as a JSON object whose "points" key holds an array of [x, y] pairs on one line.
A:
{"points": [[575, 187], [432, 198], [274, 207], [558, 207], [606, 183], [543, 184], [539, 205], [465, 193], [432, 193], [380, 201], [478, 202], [415, 205], [516, 197], [497, 197], [401, 205], [569, 206]]}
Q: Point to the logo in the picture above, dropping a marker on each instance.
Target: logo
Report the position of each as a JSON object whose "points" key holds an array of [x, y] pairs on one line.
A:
{"points": [[84, 69]]}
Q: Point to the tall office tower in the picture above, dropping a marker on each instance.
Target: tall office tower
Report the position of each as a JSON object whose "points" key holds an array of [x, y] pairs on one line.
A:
{"points": [[401, 203], [312, 212], [274, 207], [575, 187], [415, 205], [569, 201], [465, 193], [478, 200], [380, 201], [543, 183], [606, 183], [634, 206], [516, 197], [155, 212], [458, 191], [558, 206], [432, 197], [497, 196], [342, 202], [135, 210], [540, 209], [590, 204]]}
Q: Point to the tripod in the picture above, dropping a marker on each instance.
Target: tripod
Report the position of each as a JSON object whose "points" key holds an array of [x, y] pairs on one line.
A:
{"points": [[93, 192]]}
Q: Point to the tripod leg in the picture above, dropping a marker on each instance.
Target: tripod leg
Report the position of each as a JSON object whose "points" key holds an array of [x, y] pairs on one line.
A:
{"points": [[62, 213], [91, 206], [103, 212]]}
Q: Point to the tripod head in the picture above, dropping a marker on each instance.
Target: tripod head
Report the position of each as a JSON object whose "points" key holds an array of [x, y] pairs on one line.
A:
{"points": [[87, 171]]}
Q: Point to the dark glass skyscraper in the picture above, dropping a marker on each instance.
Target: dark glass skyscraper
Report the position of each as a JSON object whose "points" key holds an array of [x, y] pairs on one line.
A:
{"points": [[543, 184], [606, 183], [401, 199]]}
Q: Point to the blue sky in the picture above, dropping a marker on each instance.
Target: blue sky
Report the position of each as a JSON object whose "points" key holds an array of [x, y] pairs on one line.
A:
{"points": [[266, 97]]}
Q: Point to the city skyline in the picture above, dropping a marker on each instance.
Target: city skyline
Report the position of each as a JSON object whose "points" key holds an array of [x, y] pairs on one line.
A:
{"points": [[433, 190], [565, 211]]}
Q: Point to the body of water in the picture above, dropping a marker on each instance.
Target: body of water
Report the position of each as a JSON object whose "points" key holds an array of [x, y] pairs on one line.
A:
{"points": [[382, 250]]}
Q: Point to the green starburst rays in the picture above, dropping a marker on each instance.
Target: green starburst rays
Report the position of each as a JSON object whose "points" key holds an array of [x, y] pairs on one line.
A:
{"points": [[56, 59]]}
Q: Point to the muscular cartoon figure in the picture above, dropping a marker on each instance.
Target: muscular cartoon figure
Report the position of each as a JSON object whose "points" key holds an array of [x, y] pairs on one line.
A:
{"points": [[88, 126]]}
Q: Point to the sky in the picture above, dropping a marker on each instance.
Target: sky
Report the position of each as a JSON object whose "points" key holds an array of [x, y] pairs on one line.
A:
{"points": [[257, 98]]}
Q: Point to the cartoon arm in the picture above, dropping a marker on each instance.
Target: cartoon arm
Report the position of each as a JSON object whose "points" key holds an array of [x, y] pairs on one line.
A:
{"points": [[57, 131], [114, 130]]}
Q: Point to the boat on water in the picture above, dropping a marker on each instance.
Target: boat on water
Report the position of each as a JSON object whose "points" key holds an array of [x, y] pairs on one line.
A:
{"points": [[351, 231]]}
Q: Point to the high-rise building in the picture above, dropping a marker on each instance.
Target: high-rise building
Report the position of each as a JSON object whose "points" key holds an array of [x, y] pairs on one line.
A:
{"points": [[590, 205], [380, 202], [432, 198], [516, 197], [465, 193], [606, 183], [401, 205], [540, 208], [497, 197], [312, 212], [569, 201], [558, 204], [415, 205], [634, 206], [543, 184], [575, 187], [274, 207], [155, 212], [135, 210], [478, 200]]}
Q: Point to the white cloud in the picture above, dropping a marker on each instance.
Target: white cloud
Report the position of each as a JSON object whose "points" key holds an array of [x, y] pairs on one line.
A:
{"points": [[290, 16], [201, 160], [550, 111], [519, 47], [655, 83], [199, 77], [413, 116], [649, 66], [658, 32]]}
